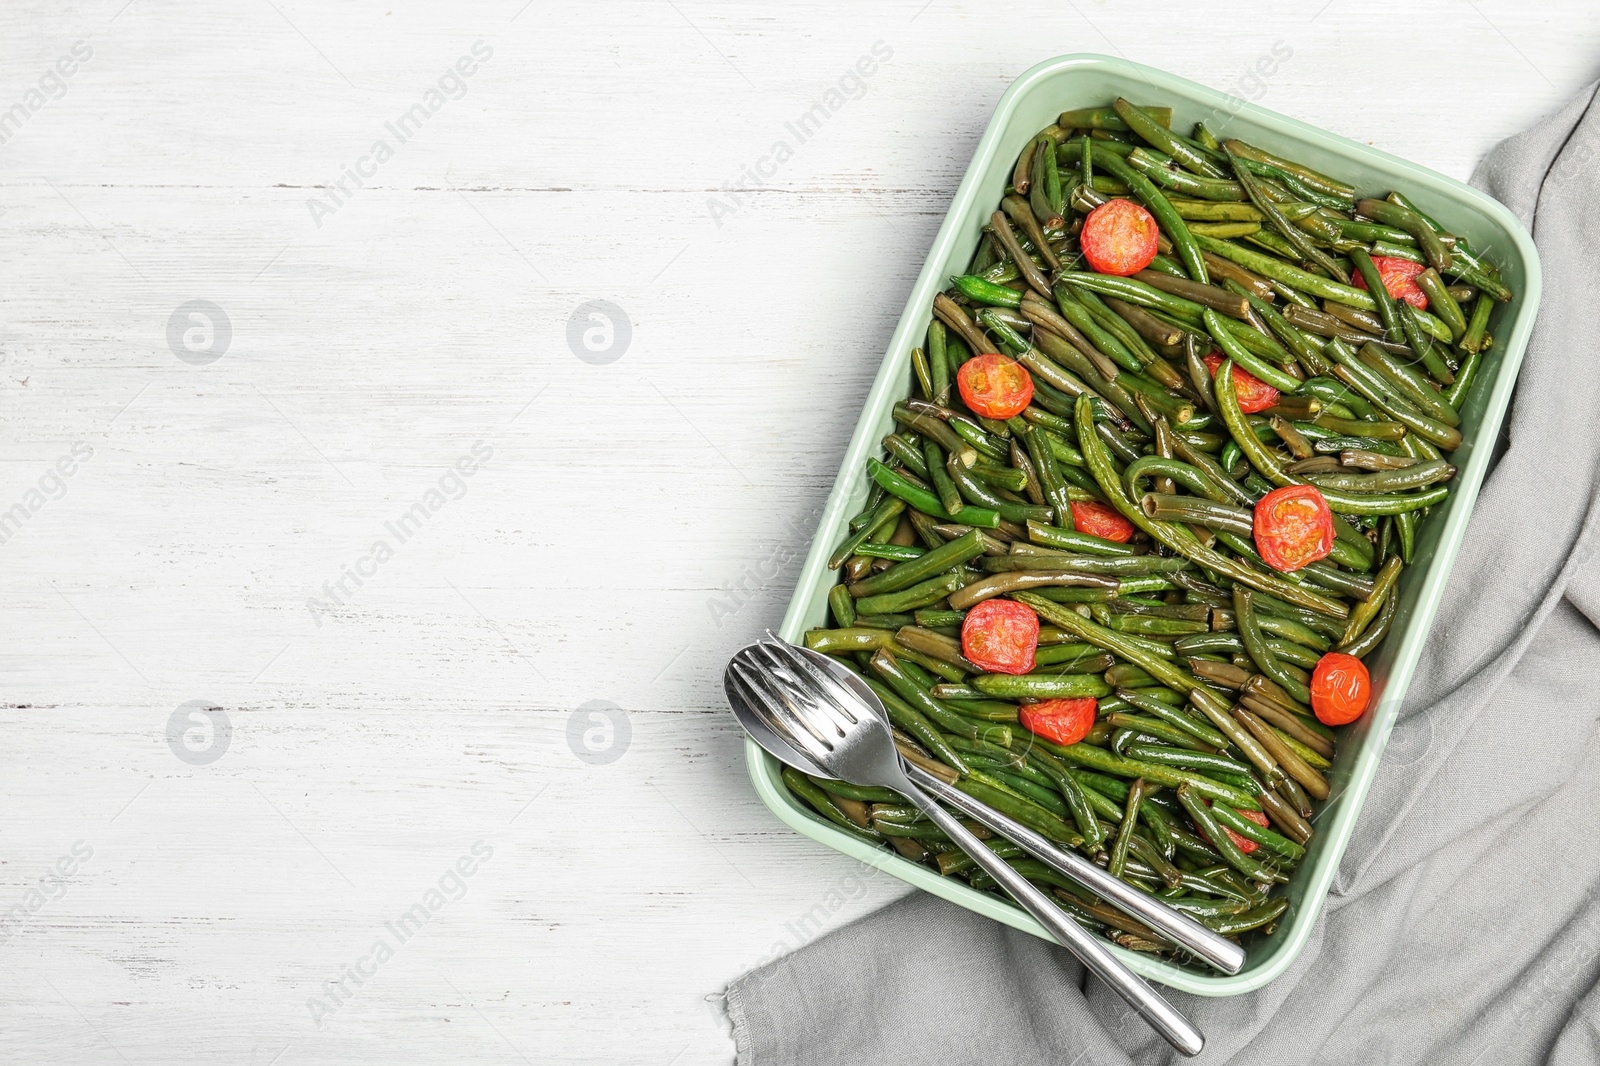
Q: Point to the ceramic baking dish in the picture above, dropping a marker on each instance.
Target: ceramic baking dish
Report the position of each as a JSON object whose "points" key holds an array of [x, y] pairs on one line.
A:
{"points": [[1030, 104]]}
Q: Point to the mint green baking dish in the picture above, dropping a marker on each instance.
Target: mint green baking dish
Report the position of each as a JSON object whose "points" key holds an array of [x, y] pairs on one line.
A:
{"points": [[1030, 104]]}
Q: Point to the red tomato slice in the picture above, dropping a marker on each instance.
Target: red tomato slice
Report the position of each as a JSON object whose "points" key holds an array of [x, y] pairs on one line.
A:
{"points": [[1254, 394], [995, 386], [1119, 237], [1063, 721], [1098, 520], [999, 636], [1397, 275], [1341, 688], [1293, 527]]}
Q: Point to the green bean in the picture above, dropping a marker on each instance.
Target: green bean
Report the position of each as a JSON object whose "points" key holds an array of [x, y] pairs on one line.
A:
{"points": [[842, 606], [1375, 633], [1130, 818], [895, 675], [1444, 305], [987, 292], [1155, 166], [1017, 580], [1456, 394], [1413, 323], [848, 639], [1193, 800], [1296, 237], [1218, 767], [1196, 511], [1363, 615], [885, 511], [1148, 361], [1410, 384], [1254, 918], [919, 365], [923, 567], [1045, 559], [935, 429], [1299, 771], [1131, 290], [1249, 444], [939, 361], [1144, 124], [1233, 348], [979, 438], [1041, 686], [1379, 293], [1404, 218], [1158, 729], [1157, 627], [1000, 226], [1022, 809], [1269, 267], [819, 800], [1255, 644], [1415, 476], [1087, 755], [1173, 716], [908, 453], [934, 645], [925, 501], [980, 495], [936, 472], [1107, 118], [1101, 340], [1069, 540], [1388, 402], [1045, 796], [1473, 340], [1018, 210], [921, 594], [1311, 178]]}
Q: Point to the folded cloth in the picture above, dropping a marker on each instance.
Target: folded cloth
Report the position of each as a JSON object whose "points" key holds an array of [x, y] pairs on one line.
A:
{"points": [[1463, 926]]}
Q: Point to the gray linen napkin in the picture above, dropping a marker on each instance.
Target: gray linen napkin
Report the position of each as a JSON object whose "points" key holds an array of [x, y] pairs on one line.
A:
{"points": [[1463, 926]]}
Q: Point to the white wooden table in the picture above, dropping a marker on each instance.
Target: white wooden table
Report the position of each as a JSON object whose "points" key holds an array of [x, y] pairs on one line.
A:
{"points": [[516, 671]]}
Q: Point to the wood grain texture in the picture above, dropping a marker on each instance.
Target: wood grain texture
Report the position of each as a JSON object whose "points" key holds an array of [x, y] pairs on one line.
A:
{"points": [[378, 737]]}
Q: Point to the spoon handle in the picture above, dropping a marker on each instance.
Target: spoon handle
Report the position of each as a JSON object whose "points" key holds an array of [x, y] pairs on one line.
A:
{"points": [[1180, 928], [1162, 1016]]}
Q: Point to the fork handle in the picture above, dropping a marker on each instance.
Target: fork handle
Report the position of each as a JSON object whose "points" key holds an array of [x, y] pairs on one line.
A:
{"points": [[1180, 928], [1163, 1017]]}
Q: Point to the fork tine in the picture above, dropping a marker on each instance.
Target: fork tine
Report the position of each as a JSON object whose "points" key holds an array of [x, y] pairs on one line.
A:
{"points": [[824, 683], [780, 711], [805, 700], [756, 703]]}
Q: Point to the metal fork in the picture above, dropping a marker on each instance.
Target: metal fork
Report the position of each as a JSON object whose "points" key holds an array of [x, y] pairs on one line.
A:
{"points": [[851, 740]]}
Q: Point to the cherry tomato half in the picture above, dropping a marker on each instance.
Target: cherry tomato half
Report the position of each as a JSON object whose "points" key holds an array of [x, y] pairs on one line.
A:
{"points": [[1063, 721], [1293, 527], [1098, 520], [1341, 688], [1244, 844], [1000, 636], [1397, 275], [995, 386], [1254, 394], [1118, 237]]}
